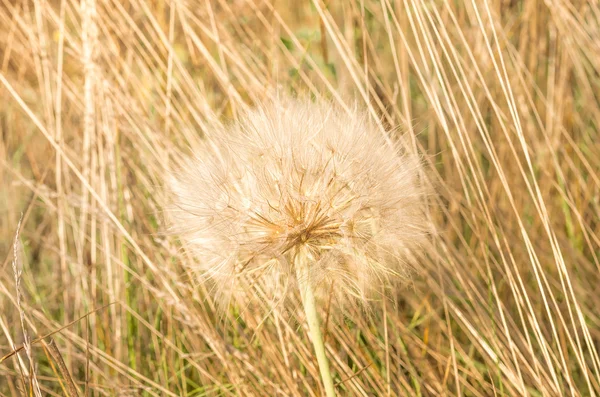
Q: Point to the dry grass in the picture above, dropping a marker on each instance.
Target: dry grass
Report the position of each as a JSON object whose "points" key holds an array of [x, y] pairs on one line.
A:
{"points": [[100, 98]]}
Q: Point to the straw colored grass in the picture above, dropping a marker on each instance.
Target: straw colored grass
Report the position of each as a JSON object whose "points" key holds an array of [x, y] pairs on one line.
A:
{"points": [[99, 99]]}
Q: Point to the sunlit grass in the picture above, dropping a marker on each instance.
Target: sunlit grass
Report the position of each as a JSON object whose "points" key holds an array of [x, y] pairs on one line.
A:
{"points": [[498, 97]]}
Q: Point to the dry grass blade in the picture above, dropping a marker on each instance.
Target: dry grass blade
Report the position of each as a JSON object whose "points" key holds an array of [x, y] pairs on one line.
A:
{"points": [[17, 267], [37, 340], [72, 390]]}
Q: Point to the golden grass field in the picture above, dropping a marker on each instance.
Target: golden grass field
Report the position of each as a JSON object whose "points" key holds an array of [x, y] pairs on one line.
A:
{"points": [[98, 99]]}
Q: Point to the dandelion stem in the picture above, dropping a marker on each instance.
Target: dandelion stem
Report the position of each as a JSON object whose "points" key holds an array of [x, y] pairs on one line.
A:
{"points": [[310, 309]]}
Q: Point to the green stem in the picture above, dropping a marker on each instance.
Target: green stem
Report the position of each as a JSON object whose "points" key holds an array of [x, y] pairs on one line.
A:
{"points": [[310, 309]]}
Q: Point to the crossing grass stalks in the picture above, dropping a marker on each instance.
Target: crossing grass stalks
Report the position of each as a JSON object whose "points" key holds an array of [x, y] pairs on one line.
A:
{"points": [[99, 98]]}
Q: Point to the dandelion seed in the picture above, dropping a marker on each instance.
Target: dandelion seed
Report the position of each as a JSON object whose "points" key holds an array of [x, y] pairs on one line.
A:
{"points": [[305, 191]]}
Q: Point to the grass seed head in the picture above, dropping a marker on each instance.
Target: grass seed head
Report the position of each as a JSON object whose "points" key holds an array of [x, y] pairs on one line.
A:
{"points": [[292, 178]]}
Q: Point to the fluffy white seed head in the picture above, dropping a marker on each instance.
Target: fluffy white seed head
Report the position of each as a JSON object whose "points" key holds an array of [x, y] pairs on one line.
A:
{"points": [[296, 178]]}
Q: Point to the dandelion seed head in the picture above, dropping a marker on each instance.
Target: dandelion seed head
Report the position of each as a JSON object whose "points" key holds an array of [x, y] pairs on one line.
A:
{"points": [[294, 177]]}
